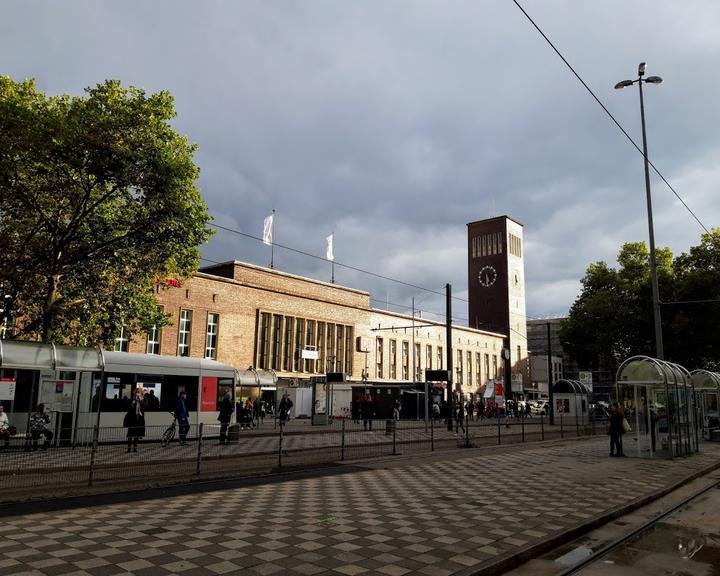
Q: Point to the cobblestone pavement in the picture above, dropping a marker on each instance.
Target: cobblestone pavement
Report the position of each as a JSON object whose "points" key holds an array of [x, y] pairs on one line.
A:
{"points": [[437, 515]]}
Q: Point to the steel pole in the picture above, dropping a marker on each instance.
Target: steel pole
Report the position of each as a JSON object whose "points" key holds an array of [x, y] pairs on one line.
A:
{"points": [[659, 352]]}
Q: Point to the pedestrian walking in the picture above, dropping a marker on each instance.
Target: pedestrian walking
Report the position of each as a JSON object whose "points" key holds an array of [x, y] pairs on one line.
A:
{"points": [[615, 430], [436, 412], [38, 427], [134, 421], [183, 417], [459, 417], [284, 408], [226, 411], [367, 410], [396, 410]]}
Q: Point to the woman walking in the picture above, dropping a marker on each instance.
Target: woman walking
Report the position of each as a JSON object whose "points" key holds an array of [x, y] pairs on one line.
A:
{"points": [[617, 415], [134, 421]]}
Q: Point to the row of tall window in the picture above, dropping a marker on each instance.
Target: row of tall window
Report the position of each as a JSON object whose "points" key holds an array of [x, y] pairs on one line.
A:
{"points": [[291, 344], [487, 244], [153, 338], [469, 366], [515, 245]]}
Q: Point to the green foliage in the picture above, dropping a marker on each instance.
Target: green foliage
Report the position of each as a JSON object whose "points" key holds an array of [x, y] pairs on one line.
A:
{"points": [[612, 318], [97, 199]]}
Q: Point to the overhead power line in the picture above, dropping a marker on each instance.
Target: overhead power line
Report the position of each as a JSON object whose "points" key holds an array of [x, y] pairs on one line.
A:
{"points": [[340, 264], [608, 112]]}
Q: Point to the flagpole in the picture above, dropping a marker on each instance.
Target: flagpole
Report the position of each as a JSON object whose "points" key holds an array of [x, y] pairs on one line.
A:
{"points": [[272, 243]]}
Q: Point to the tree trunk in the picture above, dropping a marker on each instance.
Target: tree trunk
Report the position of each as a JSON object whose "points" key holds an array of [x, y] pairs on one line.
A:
{"points": [[48, 314]]}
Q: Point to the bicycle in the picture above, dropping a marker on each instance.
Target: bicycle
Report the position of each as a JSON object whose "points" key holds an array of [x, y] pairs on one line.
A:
{"points": [[169, 433]]}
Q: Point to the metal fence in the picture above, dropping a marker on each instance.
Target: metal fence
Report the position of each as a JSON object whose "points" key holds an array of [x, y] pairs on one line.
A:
{"points": [[101, 456]]}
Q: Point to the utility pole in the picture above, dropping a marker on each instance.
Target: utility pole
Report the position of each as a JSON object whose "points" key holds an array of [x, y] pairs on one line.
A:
{"points": [[448, 342], [549, 371]]}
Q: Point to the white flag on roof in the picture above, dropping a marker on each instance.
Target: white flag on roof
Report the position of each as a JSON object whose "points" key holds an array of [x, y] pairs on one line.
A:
{"points": [[330, 255], [268, 229]]}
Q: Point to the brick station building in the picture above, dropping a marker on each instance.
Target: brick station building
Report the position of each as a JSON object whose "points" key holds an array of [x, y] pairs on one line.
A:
{"points": [[263, 319]]}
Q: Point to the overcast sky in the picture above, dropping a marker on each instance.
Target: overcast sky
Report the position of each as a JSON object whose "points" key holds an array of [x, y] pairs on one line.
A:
{"points": [[395, 123]]}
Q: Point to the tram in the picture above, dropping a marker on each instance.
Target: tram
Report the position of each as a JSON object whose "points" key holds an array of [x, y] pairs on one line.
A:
{"points": [[84, 387]]}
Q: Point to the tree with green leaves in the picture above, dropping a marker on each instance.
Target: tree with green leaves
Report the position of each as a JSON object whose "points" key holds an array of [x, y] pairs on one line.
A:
{"points": [[98, 199], [612, 318]]}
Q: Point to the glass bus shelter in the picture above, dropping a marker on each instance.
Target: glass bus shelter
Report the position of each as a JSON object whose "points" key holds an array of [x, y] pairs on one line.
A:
{"points": [[659, 403], [707, 401], [572, 397]]}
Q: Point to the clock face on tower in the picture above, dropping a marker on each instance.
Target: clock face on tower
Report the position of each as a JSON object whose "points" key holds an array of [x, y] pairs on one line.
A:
{"points": [[487, 276]]}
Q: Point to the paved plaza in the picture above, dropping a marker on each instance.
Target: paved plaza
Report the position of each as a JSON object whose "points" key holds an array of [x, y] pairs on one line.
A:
{"points": [[453, 513]]}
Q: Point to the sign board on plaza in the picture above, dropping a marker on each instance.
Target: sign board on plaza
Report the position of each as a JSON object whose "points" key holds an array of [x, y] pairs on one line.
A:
{"points": [[7, 389], [586, 378], [516, 382]]}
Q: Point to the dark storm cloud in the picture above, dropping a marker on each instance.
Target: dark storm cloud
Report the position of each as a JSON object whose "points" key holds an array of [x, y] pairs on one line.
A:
{"points": [[395, 124]]}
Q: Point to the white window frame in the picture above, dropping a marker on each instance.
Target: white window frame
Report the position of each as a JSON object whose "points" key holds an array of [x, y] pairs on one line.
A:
{"points": [[184, 332], [211, 335]]}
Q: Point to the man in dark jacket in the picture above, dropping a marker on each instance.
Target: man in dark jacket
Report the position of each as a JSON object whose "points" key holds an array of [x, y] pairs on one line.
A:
{"points": [[284, 408], [617, 415], [367, 410], [183, 417], [226, 411]]}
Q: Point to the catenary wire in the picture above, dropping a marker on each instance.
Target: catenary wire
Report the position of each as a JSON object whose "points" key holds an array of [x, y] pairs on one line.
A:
{"points": [[340, 264], [608, 113]]}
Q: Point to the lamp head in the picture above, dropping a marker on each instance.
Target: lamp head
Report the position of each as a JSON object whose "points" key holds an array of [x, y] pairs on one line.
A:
{"points": [[653, 80], [623, 84], [641, 69]]}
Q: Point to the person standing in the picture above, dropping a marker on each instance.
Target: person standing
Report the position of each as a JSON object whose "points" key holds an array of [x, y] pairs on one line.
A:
{"points": [[4, 426], [436, 412], [367, 411], [38, 427], [226, 411], [396, 410], [616, 430], [284, 408], [134, 421], [459, 416], [183, 417]]}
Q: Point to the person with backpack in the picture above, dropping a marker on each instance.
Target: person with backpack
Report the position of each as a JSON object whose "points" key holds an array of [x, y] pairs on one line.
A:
{"points": [[284, 408], [226, 411]]}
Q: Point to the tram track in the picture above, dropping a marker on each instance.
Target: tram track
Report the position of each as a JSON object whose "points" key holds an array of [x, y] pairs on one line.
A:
{"points": [[637, 532]]}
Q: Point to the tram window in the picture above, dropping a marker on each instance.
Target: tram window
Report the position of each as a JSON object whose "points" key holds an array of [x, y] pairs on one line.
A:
{"points": [[173, 385], [151, 389], [118, 392], [225, 386]]}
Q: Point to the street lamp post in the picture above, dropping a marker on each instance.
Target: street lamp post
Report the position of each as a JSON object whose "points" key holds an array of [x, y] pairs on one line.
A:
{"points": [[653, 262]]}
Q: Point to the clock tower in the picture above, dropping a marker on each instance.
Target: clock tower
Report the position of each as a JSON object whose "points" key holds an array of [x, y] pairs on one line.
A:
{"points": [[496, 290]]}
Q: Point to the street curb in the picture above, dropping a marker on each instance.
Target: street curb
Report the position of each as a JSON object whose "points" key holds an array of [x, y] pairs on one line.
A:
{"points": [[515, 559]]}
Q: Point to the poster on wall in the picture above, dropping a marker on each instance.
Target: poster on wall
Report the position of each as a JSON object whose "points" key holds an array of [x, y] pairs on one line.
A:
{"points": [[7, 389]]}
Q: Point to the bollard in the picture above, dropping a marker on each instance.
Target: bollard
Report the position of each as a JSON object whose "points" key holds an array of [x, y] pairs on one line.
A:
{"points": [[542, 426], [561, 426], [96, 433], [199, 450], [522, 427], [280, 443], [342, 442], [432, 435], [498, 426]]}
